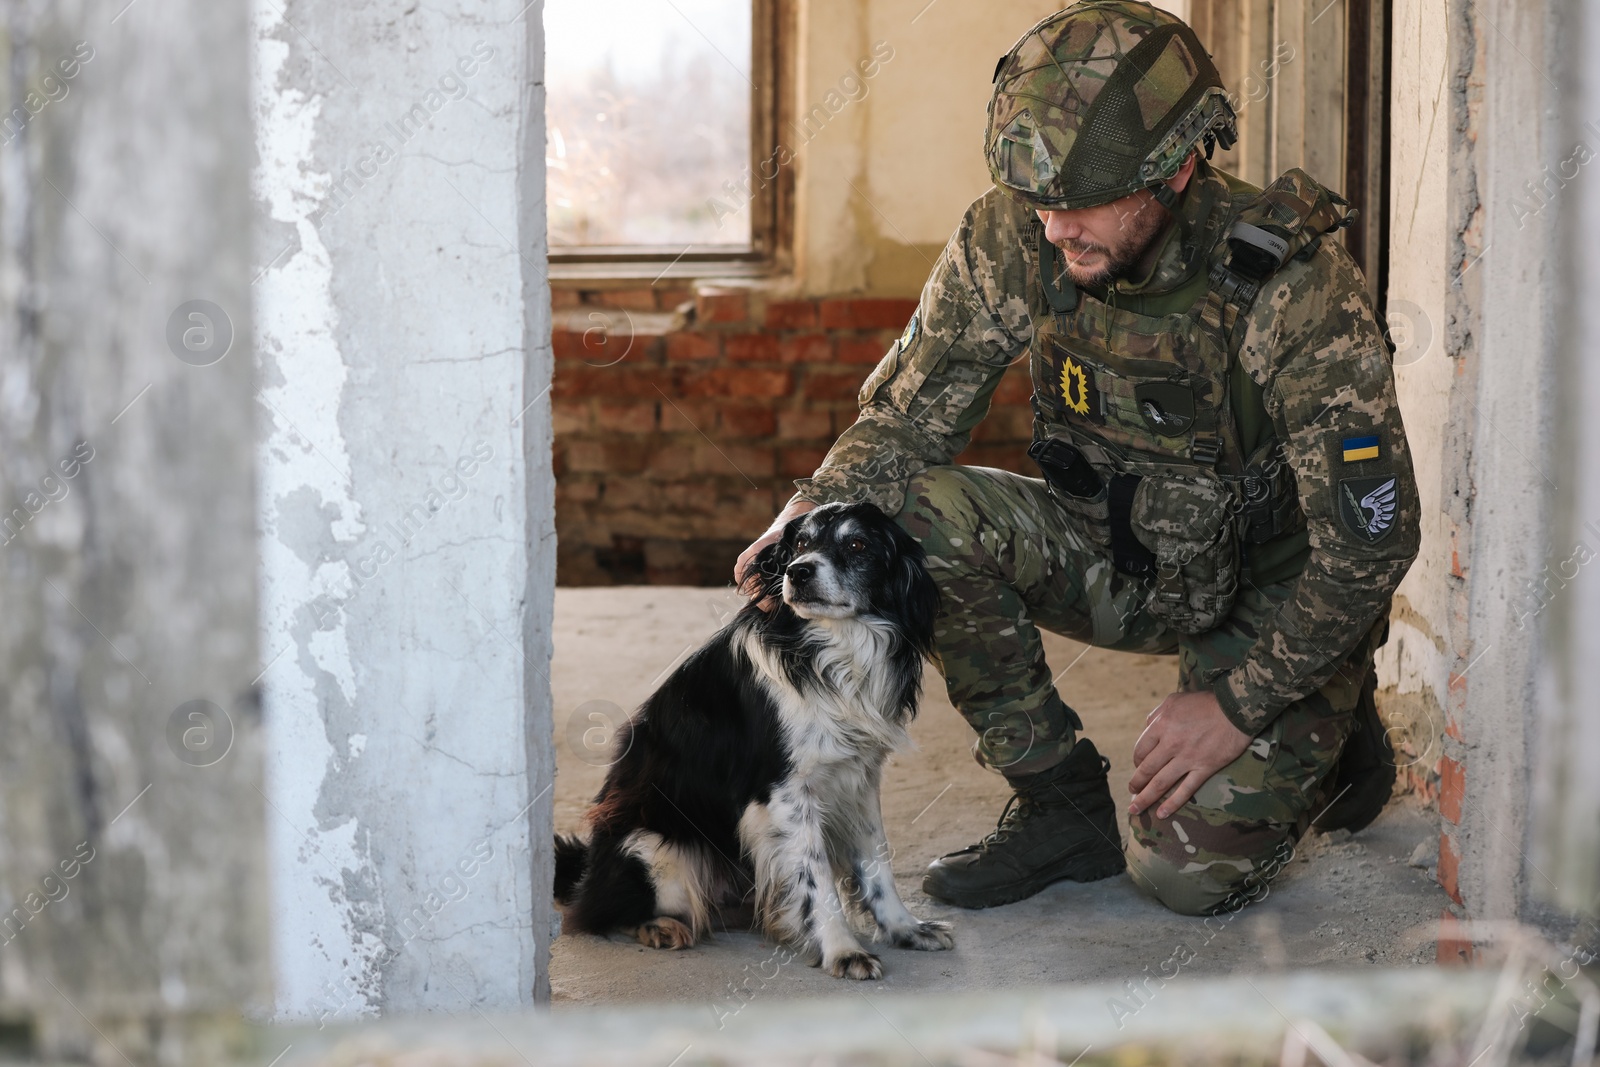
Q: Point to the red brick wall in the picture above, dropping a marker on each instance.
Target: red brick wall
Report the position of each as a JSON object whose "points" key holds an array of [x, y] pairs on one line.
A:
{"points": [[674, 449]]}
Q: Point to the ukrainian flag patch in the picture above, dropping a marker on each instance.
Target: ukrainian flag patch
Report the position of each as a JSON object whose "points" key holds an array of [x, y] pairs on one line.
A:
{"points": [[1358, 448]]}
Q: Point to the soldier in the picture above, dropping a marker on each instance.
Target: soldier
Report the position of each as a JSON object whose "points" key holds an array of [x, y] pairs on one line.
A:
{"points": [[1225, 474]]}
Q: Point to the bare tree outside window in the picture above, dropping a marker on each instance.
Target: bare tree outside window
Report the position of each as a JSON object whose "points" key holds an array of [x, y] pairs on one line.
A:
{"points": [[649, 114]]}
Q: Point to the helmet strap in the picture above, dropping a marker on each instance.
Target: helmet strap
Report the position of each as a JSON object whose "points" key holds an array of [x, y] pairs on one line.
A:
{"points": [[1062, 298], [1168, 198], [1209, 195]]}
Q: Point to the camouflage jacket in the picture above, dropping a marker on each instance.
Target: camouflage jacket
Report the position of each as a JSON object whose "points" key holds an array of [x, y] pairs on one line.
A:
{"points": [[1310, 342]]}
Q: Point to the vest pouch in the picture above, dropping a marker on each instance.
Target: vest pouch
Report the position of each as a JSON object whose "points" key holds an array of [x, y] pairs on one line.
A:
{"points": [[1076, 486], [1188, 524]]}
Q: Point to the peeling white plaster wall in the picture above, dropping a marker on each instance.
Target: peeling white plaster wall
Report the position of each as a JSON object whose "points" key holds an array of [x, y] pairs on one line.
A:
{"points": [[295, 324], [1504, 291], [1417, 659], [1475, 126], [398, 534]]}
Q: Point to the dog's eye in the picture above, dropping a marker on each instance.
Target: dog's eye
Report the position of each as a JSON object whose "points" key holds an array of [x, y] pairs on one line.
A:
{"points": [[856, 544], [802, 543]]}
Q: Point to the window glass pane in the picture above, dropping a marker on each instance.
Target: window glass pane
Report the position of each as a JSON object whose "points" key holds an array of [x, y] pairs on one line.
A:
{"points": [[649, 114]]}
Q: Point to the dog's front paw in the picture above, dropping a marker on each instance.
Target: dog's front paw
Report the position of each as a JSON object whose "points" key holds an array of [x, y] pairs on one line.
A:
{"points": [[857, 964], [929, 936], [665, 932]]}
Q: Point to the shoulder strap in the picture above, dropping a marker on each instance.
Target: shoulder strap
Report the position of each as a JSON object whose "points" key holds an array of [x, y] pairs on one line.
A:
{"points": [[1282, 221], [1286, 220]]}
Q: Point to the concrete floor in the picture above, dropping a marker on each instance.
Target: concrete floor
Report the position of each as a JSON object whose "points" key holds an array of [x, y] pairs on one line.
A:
{"points": [[1343, 902]]}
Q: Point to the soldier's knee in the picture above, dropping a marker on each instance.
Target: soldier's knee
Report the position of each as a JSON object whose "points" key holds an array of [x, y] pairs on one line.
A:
{"points": [[1224, 877], [1184, 891], [938, 506], [942, 489]]}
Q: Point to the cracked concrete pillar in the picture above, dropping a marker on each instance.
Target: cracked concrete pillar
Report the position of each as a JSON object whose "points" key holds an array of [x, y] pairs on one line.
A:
{"points": [[407, 531], [132, 865]]}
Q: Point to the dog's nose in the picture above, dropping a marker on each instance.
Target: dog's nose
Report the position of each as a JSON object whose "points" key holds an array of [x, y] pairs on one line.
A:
{"points": [[800, 573]]}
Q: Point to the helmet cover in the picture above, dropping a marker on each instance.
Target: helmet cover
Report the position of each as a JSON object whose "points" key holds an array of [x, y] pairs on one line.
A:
{"points": [[1099, 101]]}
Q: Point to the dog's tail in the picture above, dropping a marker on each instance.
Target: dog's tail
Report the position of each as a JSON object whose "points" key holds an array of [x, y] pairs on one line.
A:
{"points": [[572, 860]]}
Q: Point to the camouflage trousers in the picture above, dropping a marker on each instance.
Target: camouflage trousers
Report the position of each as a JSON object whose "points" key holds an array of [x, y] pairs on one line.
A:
{"points": [[1008, 561]]}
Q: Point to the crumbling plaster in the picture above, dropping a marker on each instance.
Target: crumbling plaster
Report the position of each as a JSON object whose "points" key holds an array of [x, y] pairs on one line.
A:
{"points": [[402, 331]]}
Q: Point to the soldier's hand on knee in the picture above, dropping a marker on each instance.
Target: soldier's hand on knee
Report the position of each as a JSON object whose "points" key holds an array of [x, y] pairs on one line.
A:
{"points": [[744, 574], [1186, 740]]}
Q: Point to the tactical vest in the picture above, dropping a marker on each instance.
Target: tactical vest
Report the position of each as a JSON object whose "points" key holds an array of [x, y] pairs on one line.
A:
{"points": [[1136, 417]]}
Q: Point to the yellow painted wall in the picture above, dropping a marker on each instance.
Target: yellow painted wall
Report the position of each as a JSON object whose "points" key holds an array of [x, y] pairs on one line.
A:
{"points": [[882, 185], [881, 188]]}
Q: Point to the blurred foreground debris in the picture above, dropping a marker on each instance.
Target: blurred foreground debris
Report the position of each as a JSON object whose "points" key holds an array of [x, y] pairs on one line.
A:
{"points": [[1471, 1018]]}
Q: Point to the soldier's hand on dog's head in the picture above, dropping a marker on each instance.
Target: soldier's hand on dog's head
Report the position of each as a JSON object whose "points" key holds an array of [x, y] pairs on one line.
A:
{"points": [[745, 578]]}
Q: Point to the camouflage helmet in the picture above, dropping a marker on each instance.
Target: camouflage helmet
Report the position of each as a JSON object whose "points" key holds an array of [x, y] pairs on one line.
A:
{"points": [[1101, 100]]}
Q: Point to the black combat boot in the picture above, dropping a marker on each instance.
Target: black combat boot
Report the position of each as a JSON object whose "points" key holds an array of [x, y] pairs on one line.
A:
{"points": [[1060, 824], [1361, 783]]}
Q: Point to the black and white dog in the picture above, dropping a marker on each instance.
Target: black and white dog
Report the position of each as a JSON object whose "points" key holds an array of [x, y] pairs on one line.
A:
{"points": [[752, 774]]}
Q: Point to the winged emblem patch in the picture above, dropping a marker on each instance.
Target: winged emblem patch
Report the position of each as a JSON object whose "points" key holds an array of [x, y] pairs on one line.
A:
{"points": [[1368, 506]]}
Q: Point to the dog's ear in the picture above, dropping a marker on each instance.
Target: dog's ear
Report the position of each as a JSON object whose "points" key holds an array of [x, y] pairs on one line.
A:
{"points": [[913, 595], [772, 561]]}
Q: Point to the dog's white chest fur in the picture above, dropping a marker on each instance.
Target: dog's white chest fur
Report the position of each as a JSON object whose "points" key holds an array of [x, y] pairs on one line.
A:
{"points": [[845, 714], [841, 718]]}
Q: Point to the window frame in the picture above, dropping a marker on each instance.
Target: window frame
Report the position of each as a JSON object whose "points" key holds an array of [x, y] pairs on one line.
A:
{"points": [[772, 203]]}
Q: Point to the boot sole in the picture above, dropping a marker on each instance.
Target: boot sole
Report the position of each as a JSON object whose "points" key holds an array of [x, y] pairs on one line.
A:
{"points": [[1081, 870]]}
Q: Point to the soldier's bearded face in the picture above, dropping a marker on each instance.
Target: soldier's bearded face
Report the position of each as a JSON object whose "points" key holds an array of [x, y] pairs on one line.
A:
{"points": [[1103, 243]]}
